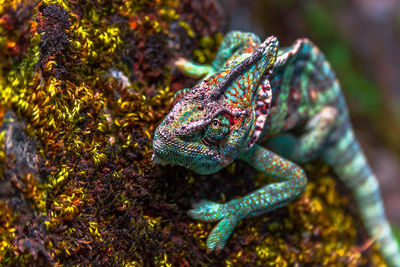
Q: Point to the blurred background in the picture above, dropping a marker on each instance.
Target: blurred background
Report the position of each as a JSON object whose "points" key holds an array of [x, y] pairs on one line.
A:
{"points": [[361, 39]]}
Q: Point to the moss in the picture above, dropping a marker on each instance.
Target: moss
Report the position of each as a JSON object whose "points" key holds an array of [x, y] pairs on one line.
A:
{"points": [[91, 80]]}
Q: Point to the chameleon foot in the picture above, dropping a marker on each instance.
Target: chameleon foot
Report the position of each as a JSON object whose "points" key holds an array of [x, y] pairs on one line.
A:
{"points": [[209, 211], [193, 69]]}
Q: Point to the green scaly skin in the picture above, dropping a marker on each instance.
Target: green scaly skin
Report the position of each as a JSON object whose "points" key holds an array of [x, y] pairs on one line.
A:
{"points": [[289, 98]]}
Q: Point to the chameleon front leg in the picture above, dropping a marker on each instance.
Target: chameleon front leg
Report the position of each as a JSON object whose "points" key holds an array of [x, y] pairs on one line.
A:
{"points": [[235, 42], [293, 182], [192, 69]]}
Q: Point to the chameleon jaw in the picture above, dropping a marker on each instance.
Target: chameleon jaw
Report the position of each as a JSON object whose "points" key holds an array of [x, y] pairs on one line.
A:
{"points": [[172, 151]]}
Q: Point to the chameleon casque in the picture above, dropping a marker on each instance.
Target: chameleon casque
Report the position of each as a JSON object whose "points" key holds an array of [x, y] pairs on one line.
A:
{"points": [[255, 92]]}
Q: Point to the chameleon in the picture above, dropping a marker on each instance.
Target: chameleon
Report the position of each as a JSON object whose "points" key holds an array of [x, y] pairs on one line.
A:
{"points": [[289, 98]]}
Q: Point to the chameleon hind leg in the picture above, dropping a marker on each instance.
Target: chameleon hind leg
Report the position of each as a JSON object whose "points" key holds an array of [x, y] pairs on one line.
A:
{"points": [[306, 147], [292, 183], [235, 42], [347, 159], [317, 129]]}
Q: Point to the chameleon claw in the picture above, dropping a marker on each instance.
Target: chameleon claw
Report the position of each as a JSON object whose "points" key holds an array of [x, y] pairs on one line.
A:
{"points": [[215, 251], [180, 63]]}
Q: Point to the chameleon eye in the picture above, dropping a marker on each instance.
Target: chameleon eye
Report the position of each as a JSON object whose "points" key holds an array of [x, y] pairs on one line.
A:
{"points": [[215, 123], [217, 130]]}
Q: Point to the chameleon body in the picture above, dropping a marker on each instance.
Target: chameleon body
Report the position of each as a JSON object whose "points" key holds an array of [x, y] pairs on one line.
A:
{"points": [[290, 99]]}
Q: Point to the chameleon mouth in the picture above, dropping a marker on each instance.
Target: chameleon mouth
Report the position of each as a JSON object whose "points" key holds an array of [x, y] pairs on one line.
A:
{"points": [[174, 154]]}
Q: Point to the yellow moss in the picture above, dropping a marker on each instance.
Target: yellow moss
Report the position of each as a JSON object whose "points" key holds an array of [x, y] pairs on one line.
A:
{"points": [[188, 29], [205, 52], [132, 264], [7, 230], [169, 14], [68, 205], [2, 154], [64, 4], [152, 221], [162, 261], [200, 232], [94, 230], [34, 191]]}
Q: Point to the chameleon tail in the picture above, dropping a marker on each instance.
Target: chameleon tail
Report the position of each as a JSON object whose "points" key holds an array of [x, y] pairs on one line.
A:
{"points": [[350, 164]]}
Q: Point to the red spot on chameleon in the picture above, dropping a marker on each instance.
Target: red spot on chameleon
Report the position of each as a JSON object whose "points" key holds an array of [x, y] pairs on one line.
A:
{"points": [[231, 119]]}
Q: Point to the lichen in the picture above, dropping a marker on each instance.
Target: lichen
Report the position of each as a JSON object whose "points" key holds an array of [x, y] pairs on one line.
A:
{"points": [[91, 80]]}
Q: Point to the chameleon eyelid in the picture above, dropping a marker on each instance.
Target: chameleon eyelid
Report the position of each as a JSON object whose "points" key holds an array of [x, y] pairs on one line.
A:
{"points": [[189, 128]]}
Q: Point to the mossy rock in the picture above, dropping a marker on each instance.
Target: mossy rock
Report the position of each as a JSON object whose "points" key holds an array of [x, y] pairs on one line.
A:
{"points": [[83, 84]]}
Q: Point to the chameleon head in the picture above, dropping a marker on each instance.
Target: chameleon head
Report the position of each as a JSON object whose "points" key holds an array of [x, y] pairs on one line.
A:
{"points": [[212, 123]]}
